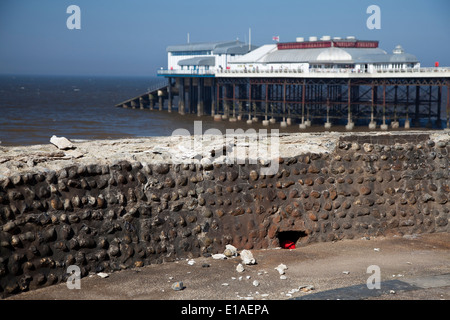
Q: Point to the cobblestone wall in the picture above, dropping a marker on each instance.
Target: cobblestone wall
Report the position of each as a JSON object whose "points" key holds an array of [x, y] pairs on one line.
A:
{"points": [[111, 217]]}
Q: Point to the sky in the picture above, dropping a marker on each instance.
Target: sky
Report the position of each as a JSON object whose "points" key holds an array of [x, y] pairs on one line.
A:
{"points": [[130, 37]]}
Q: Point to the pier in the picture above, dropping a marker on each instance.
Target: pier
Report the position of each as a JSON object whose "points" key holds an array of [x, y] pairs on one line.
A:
{"points": [[346, 82]]}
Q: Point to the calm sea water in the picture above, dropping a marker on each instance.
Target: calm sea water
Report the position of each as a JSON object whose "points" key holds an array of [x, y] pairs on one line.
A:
{"points": [[33, 108]]}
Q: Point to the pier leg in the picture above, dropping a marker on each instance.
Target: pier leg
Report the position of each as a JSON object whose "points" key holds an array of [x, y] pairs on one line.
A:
{"points": [[181, 105], [141, 103], [417, 115], [255, 118], [372, 124], [233, 105], [328, 123], [272, 119], [429, 124], [190, 96], [384, 126], [395, 124], [350, 125], [407, 122], [161, 101], [302, 124], [169, 91], [265, 122], [439, 102], [448, 107], [200, 102], [283, 123], [214, 98]]}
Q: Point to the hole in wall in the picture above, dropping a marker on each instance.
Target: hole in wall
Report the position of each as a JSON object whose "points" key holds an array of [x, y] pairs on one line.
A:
{"points": [[290, 239]]}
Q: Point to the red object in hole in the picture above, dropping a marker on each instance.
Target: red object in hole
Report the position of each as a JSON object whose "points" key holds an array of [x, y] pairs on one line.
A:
{"points": [[287, 244]]}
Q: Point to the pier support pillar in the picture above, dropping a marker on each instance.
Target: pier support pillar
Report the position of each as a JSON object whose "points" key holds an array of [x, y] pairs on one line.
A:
{"points": [[407, 122], [170, 94], [439, 102], [181, 106], [328, 123], [302, 125], [448, 106], [395, 124], [200, 102], [417, 113], [190, 99], [255, 118], [214, 98], [372, 124], [384, 126], [350, 125], [233, 105], [151, 99], [161, 100]]}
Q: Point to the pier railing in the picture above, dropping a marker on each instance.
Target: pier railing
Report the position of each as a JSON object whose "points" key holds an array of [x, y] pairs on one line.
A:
{"points": [[186, 72], [416, 71], [319, 70]]}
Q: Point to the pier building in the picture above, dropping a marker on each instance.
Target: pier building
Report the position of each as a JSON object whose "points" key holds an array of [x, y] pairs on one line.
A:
{"points": [[326, 80]]}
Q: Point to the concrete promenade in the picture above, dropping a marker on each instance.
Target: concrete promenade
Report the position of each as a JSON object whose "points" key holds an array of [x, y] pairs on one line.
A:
{"points": [[412, 267]]}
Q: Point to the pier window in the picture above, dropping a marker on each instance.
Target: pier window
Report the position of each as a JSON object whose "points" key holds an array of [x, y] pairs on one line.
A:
{"points": [[192, 53]]}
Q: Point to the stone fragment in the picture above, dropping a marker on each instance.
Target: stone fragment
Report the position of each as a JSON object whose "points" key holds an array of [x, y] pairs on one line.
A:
{"points": [[247, 257], [230, 251], [281, 268], [61, 143], [103, 275], [218, 256], [240, 268]]}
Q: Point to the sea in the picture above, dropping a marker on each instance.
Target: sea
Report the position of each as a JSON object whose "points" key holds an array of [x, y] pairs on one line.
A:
{"points": [[34, 108]]}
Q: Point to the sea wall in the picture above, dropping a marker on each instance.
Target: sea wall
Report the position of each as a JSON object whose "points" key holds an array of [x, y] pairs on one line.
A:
{"points": [[109, 215]]}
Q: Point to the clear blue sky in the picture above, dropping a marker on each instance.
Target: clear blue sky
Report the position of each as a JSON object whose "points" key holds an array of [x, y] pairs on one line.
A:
{"points": [[129, 38]]}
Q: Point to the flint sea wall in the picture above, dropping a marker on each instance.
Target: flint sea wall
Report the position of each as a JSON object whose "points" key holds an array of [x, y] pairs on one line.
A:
{"points": [[111, 205]]}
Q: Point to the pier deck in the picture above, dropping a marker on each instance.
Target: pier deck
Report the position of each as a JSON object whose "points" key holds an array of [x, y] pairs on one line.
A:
{"points": [[409, 97]]}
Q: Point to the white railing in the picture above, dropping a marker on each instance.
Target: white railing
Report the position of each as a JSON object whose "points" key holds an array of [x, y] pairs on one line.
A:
{"points": [[300, 71], [186, 72], [341, 70]]}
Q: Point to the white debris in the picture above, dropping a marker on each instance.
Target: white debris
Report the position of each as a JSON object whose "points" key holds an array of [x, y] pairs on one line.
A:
{"points": [[219, 256], [225, 284], [376, 249], [247, 257], [240, 268], [345, 272], [103, 275], [61, 143], [256, 283], [230, 251], [283, 277], [281, 268], [191, 262]]}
